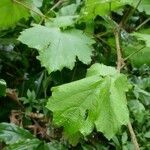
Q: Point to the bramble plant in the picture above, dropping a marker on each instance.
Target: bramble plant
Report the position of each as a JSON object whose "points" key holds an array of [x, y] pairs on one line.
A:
{"points": [[77, 72]]}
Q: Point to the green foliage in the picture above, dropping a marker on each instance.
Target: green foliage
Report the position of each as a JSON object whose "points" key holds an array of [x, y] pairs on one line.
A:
{"points": [[10, 133], [84, 111], [61, 21], [144, 37], [101, 7], [143, 6], [2, 87], [58, 49], [93, 101], [20, 139], [11, 12], [144, 50]]}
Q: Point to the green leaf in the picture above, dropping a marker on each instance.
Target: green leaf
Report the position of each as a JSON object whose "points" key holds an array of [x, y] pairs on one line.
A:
{"points": [[35, 144], [38, 3], [61, 21], [68, 10], [101, 7], [54, 145], [58, 49], [143, 37], [100, 69], [10, 133], [11, 12], [147, 134], [2, 87], [27, 144], [94, 101], [143, 7], [141, 57]]}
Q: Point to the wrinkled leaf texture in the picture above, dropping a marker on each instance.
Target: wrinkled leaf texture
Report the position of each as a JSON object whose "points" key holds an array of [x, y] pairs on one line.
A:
{"points": [[98, 100]]}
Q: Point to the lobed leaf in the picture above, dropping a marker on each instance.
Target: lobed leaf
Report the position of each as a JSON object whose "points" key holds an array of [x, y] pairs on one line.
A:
{"points": [[94, 101], [58, 49]]}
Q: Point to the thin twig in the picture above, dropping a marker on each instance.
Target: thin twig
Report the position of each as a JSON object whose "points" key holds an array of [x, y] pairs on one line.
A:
{"points": [[104, 33], [105, 42], [128, 14], [56, 5], [134, 53], [120, 61], [131, 55], [143, 23], [133, 136], [118, 48]]}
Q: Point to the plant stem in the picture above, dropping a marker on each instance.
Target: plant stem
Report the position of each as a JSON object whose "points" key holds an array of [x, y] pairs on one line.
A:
{"points": [[56, 5], [120, 61], [133, 136], [143, 23], [118, 48], [133, 53]]}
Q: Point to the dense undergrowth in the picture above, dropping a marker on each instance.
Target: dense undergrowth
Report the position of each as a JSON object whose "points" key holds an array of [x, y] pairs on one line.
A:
{"points": [[74, 74]]}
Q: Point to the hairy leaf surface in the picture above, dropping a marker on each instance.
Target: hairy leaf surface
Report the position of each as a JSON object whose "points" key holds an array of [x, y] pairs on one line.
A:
{"points": [[94, 101]]}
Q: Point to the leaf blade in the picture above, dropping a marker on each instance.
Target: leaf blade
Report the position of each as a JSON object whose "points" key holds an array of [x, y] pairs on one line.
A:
{"points": [[58, 49]]}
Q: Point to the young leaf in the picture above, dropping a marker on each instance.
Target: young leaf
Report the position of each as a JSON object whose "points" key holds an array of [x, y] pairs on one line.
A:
{"points": [[2, 87], [58, 49], [11, 12], [94, 101], [10, 133]]}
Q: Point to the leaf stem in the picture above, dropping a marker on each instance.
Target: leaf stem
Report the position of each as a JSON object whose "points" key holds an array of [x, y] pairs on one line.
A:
{"points": [[56, 5], [143, 23], [120, 61], [134, 53]]}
